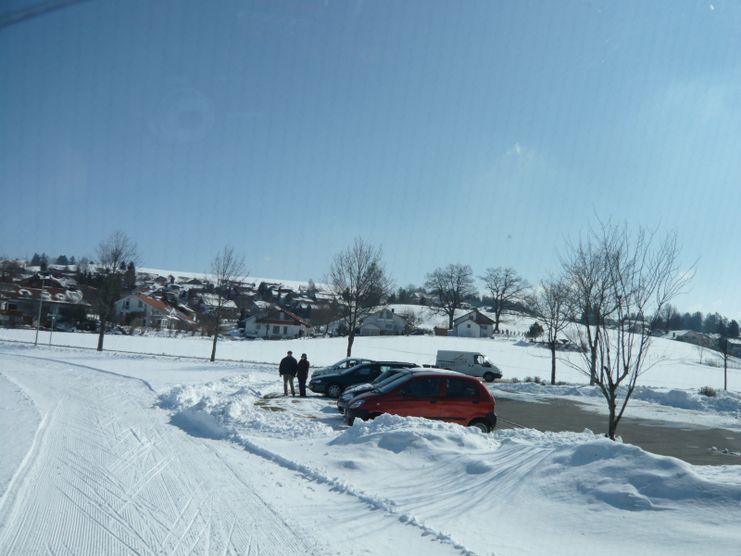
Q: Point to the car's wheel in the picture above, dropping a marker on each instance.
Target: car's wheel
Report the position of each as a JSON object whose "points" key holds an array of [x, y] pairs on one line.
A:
{"points": [[334, 390], [489, 377], [481, 425]]}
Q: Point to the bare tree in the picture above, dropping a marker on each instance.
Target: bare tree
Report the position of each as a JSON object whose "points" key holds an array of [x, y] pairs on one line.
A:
{"points": [[227, 270], [586, 272], [358, 280], [448, 287], [638, 276], [113, 253], [505, 287], [550, 304], [723, 349], [700, 350]]}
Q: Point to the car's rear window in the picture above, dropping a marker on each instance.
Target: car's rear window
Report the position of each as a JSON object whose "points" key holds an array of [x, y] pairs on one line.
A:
{"points": [[461, 388]]}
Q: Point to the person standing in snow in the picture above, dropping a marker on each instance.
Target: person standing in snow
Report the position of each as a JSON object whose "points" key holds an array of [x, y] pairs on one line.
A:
{"points": [[287, 370], [303, 374]]}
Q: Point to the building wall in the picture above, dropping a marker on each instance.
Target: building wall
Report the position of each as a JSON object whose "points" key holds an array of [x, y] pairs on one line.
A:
{"points": [[273, 331], [468, 329]]}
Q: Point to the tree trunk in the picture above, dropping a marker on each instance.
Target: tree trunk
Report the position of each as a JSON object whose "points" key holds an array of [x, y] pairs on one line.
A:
{"points": [[450, 319], [593, 362], [553, 363], [101, 334], [350, 340], [216, 337], [613, 423], [497, 315], [593, 367]]}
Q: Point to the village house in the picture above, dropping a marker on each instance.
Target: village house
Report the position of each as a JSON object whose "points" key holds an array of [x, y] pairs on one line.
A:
{"points": [[19, 305], [383, 323], [152, 312], [473, 324], [208, 303], [275, 323]]}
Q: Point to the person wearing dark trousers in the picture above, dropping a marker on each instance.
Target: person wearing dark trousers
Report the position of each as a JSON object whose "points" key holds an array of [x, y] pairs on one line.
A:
{"points": [[303, 374], [287, 370]]}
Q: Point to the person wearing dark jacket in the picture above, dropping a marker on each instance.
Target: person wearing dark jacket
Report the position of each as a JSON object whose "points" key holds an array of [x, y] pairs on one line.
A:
{"points": [[287, 370], [303, 374]]}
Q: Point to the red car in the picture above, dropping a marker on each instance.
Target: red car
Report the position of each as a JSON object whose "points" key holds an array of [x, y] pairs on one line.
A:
{"points": [[446, 396]]}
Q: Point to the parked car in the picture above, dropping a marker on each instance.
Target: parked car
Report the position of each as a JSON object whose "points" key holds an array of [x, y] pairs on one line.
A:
{"points": [[392, 374], [333, 384], [341, 365], [468, 362], [349, 393], [440, 395]]}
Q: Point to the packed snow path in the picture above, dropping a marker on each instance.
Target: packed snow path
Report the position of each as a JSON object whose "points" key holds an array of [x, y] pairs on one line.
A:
{"points": [[104, 473]]}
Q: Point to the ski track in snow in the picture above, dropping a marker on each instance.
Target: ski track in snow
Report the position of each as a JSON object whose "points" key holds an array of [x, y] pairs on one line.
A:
{"points": [[103, 476]]}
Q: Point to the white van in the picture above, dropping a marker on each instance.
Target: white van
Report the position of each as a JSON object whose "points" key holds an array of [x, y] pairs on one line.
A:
{"points": [[468, 362]]}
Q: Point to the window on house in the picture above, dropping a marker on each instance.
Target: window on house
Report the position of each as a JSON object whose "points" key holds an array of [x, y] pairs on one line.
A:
{"points": [[276, 329], [285, 330]]}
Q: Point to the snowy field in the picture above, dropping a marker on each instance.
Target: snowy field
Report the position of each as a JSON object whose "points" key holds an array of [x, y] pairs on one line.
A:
{"points": [[144, 453]]}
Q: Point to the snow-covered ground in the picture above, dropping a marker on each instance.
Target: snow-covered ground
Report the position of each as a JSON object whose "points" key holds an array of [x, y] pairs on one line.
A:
{"points": [[116, 453]]}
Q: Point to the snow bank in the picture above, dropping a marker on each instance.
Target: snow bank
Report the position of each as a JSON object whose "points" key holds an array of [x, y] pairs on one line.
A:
{"points": [[628, 478], [230, 404], [403, 434]]}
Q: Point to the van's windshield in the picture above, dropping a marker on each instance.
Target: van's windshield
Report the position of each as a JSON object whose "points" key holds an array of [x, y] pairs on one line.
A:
{"points": [[482, 360]]}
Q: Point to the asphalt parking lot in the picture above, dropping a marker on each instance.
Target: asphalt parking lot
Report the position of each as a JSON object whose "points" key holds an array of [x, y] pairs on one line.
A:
{"points": [[696, 445]]}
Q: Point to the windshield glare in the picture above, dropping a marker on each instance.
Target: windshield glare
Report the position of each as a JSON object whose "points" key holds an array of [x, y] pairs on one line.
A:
{"points": [[393, 383]]}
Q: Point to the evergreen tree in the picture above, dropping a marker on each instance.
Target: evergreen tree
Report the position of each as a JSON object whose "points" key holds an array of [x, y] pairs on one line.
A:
{"points": [[732, 330], [535, 330], [36, 260], [710, 325], [696, 321]]}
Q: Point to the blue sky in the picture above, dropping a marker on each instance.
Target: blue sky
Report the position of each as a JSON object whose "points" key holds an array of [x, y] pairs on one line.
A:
{"points": [[487, 133]]}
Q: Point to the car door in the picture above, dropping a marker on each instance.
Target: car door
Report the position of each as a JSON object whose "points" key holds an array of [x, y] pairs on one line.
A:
{"points": [[460, 401], [418, 397]]}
